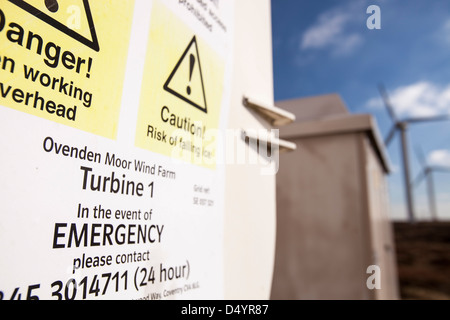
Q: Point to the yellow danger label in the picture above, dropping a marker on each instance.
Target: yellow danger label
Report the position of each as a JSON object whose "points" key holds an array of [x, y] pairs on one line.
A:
{"points": [[181, 93], [65, 60]]}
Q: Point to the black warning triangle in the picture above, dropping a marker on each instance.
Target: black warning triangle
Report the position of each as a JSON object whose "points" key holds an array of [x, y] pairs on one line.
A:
{"points": [[93, 43], [188, 64]]}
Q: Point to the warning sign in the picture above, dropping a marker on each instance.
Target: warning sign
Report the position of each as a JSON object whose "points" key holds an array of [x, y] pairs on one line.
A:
{"points": [[64, 61], [181, 93], [51, 13], [195, 91]]}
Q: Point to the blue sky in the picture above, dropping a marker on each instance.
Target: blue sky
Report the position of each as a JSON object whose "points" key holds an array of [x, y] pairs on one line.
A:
{"points": [[325, 46]]}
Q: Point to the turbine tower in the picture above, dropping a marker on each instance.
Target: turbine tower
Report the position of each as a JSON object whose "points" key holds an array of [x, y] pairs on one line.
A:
{"points": [[427, 173]]}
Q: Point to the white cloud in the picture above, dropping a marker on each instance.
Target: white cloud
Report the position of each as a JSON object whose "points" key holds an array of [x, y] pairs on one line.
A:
{"points": [[443, 35], [439, 158], [419, 99], [330, 32], [348, 44], [325, 31]]}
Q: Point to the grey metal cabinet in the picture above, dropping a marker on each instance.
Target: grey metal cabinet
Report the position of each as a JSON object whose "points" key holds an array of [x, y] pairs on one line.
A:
{"points": [[332, 206]]}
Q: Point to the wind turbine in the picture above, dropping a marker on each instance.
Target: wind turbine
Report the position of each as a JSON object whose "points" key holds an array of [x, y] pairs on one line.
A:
{"points": [[402, 126], [427, 173]]}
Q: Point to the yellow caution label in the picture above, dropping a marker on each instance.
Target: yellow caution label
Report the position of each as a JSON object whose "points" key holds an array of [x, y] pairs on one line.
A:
{"points": [[65, 60], [181, 93]]}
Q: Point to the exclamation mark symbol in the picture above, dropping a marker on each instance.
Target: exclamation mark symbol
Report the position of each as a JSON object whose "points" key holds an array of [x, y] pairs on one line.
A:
{"points": [[52, 5], [88, 75], [191, 69]]}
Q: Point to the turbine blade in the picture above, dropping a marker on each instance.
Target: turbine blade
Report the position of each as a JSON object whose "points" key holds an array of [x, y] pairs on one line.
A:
{"points": [[390, 135], [419, 179], [428, 119], [440, 168], [421, 156], [387, 103]]}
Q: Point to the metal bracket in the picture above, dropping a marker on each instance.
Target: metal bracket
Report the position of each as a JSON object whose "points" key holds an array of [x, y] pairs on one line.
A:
{"points": [[274, 115], [270, 141]]}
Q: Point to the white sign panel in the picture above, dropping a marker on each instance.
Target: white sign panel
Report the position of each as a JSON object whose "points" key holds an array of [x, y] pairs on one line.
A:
{"points": [[110, 180]]}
